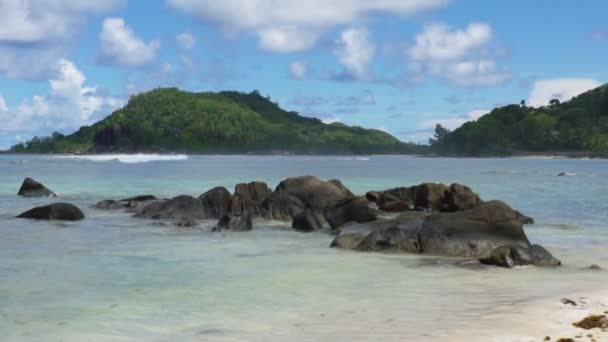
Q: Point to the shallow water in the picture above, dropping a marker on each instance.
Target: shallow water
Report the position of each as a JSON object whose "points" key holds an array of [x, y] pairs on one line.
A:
{"points": [[114, 278]]}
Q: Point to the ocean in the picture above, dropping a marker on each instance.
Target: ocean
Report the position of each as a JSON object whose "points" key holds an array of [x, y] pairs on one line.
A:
{"points": [[116, 278]]}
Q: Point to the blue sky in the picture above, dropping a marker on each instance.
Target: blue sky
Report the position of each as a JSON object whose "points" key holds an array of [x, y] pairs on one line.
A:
{"points": [[395, 65]]}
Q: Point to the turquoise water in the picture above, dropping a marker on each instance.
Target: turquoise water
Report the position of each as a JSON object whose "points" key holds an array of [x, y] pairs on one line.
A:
{"points": [[115, 278]]}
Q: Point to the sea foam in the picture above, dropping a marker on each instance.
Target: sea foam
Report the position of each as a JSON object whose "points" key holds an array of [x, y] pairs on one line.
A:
{"points": [[127, 158]]}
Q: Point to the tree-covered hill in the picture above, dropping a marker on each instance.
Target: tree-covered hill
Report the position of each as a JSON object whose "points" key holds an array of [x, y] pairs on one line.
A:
{"points": [[171, 120], [580, 124]]}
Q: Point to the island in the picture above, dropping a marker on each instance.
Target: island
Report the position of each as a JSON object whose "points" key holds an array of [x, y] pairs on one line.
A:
{"points": [[172, 120], [576, 128]]}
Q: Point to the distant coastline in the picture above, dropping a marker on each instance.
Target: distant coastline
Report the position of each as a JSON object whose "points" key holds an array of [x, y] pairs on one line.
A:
{"points": [[516, 154]]}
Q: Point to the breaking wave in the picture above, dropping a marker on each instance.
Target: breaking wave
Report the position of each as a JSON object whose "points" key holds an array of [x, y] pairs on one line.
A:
{"points": [[128, 158]]}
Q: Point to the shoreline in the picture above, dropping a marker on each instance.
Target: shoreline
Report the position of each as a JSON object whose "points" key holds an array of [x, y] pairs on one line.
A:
{"points": [[545, 317], [531, 155]]}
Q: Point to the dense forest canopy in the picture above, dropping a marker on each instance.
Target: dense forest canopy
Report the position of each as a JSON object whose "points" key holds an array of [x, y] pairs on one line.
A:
{"points": [[171, 120], [580, 124]]}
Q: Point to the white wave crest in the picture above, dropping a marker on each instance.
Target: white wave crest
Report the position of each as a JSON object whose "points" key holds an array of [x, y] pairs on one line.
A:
{"points": [[128, 158]]}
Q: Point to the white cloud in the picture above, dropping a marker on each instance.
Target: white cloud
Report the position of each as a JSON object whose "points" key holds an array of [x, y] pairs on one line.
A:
{"points": [[459, 56], [331, 120], [355, 51], [40, 21], [562, 89], [3, 107], [296, 25], [286, 39], [69, 105], [298, 69], [120, 45], [454, 122], [35, 34], [29, 64], [185, 41]]}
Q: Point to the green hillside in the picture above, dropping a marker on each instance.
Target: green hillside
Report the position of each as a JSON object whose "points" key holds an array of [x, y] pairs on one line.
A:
{"points": [[580, 124], [171, 120]]}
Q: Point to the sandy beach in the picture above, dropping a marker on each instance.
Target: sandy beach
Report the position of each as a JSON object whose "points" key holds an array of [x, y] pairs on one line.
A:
{"points": [[543, 318]]}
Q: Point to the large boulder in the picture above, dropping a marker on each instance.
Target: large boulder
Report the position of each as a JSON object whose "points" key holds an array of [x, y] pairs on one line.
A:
{"points": [[351, 209], [249, 197], [392, 200], [32, 188], [240, 223], [398, 234], [307, 221], [430, 196], [477, 233], [426, 197], [178, 208], [216, 202], [472, 233], [55, 211], [313, 192], [282, 207], [253, 191], [461, 197]]}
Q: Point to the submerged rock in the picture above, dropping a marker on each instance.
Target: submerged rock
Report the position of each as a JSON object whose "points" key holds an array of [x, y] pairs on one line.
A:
{"points": [[55, 211], [139, 198], [131, 203], [109, 205], [240, 223], [177, 208], [511, 256], [32, 188]]}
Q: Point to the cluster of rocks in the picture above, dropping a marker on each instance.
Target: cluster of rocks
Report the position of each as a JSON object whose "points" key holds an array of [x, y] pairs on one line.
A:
{"points": [[429, 218]]}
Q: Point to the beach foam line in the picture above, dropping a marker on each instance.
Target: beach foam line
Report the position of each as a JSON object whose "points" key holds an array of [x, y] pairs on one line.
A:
{"points": [[127, 158]]}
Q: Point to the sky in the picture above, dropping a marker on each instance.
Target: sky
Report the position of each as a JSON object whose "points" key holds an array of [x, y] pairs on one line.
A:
{"points": [[397, 65]]}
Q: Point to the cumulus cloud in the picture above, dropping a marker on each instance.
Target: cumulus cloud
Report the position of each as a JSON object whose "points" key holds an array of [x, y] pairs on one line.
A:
{"points": [[120, 45], [562, 89], [355, 51], [35, 34], [458, 56], [41, 21], [69, 105], [298, 70], [286, 39], [295, 25]]}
